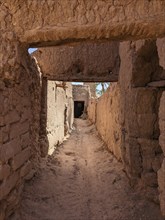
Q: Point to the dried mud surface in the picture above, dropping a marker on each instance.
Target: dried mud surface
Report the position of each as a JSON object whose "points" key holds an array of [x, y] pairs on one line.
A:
{"points": [[83, 181]]}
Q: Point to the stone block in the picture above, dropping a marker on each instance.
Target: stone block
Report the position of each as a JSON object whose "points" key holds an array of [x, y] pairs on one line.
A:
{"points": [[10, 149], [132, 124], [133, 156], [3, 136], [8, 185], [21, 158], [149, 149], [26, 114], [144, 100], [146, 124], [19, 128], [4, 171], [25, 140], [12, 117], [141, 76]]}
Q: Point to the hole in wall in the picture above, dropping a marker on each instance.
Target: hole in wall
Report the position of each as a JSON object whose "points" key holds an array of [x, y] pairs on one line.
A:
{"points": [[78, 108]]}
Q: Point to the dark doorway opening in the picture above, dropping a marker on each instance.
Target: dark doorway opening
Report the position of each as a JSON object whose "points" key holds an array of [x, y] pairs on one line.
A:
{"points": [[78, 108]]}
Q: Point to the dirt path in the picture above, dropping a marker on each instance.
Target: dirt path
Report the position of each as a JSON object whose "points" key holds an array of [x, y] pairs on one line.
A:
{"points": [[82, 181]]}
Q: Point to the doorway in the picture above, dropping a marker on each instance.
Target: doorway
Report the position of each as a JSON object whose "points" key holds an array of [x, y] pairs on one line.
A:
{"points": [[78, 108]]}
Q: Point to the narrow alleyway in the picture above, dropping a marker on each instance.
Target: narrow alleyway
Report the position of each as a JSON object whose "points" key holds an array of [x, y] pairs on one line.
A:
{"points": [[83, 181]]}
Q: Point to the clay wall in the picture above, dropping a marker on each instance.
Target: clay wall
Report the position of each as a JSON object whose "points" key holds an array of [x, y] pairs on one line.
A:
{"points": [[23, 131], [92, 88], [59, 112], [89, 61], [108, 121], [161, 172], [138, 113], [141, 89], [91, 110], [55, 22], [19, 134], [81, 93], [64, 21]]}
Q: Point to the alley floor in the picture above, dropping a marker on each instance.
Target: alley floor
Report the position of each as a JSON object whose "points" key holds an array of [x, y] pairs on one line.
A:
{"points": [[83, 181]]}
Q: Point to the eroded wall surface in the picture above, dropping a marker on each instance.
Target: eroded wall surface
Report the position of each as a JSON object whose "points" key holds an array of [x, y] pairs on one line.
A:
{"points": [[139, 110], [53, 22], [161, 172], [108, 119], [91, 110], [140, 100], [19, 133], [87, 61], [59, 112], [81, 93]]}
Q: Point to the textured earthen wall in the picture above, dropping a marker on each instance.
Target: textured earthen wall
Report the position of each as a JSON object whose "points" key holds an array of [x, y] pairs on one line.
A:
{"points": [[88, 61], [59, 113], [91, 110], [140, 76], [92, 88], [133, 105], [19, 133], [54, 22], [161, 51], [63, 21], [108, 121], [81, 93], [161, 172]]}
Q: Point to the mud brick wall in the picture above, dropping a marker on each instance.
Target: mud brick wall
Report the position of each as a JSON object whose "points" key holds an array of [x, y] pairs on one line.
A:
{"points": [[161, 172], [59, 113], [19, 134], [81, 93], [141, 89], [91, 110], [81, 20], [19, 81], [108, 121], [132, 112]]}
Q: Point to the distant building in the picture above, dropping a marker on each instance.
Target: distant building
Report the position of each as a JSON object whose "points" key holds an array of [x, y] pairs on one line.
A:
{"points": [[81, 96]]}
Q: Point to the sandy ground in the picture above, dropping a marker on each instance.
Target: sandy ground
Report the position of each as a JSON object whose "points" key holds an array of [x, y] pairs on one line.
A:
{"points": [[83, 181]]}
